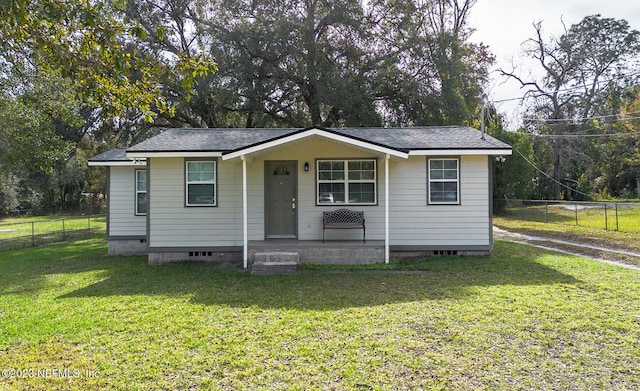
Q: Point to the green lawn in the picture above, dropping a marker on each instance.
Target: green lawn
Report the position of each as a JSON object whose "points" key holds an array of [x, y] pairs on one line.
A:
{"points": [[617, 216], [39, 225], [523, 318], [20, 232]]}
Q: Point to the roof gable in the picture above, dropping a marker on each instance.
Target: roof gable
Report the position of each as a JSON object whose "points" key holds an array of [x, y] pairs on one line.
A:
{"points": [[315, 131]]}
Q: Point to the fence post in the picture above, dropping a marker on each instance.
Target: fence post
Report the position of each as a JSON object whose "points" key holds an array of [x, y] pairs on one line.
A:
{"points": [[33, 234], [63, 233], [606, 220], [521, 210], [546, 212], [616, 205], [576, 208]]}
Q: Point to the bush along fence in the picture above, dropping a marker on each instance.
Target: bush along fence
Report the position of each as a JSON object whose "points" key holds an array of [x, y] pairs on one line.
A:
{"points": [[614, 216], [41, 231]]}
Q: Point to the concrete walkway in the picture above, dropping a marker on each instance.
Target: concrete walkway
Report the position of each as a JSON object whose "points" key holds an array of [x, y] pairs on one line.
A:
{"points": [[537, 241]]}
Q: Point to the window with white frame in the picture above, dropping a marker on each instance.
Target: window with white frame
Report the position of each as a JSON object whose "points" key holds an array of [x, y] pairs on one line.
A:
{"points": [[201, 183], [346, 181], [141, 192], [444, 181]]}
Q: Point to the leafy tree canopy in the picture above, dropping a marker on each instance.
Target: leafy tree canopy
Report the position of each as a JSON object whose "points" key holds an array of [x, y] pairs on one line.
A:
{"points": [[586, 72], [92, 44]]}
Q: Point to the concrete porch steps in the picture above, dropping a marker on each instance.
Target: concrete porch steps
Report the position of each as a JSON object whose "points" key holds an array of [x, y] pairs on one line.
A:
{"points": [[275, 262]]}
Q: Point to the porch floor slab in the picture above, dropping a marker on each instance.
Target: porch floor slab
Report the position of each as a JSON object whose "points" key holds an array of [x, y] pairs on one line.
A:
{"points": [[294, 243], [330, 252]]}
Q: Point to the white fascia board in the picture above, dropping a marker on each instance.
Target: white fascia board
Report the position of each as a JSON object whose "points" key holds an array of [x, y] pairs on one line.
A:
{"points": [[173, 154], [132, 163], [315, 132], [460, 152]]}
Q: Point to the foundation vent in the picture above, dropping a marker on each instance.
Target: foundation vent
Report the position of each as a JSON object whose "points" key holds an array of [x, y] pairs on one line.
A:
{"points": [[445, 252]]}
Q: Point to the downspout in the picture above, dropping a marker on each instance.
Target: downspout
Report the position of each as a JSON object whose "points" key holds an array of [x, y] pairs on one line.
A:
{"points": [[386, 208], [245, 239]]}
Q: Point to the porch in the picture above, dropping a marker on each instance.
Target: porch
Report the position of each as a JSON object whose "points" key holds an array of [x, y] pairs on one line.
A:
{"points": [[341, 252]]}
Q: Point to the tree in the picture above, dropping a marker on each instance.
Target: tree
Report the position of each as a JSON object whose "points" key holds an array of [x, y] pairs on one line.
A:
{"points": [[28, 119], [72, 69], [431, 74], [291, 63], [619, 168], [319, 62], [88, 43], [583, 69]]}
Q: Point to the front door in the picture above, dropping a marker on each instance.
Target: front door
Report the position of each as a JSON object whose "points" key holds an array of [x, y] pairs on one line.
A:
{"points": [[281, 199]]}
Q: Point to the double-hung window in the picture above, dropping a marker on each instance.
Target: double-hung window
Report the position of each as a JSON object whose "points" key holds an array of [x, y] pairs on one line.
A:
{"points": [[201, 183], [141, 192], [444, 181], [346, 181]]}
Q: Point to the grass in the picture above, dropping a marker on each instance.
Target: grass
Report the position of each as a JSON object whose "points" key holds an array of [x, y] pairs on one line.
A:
{"points": [[21, 232], [42, 225], [523, 318], [624, 217]]}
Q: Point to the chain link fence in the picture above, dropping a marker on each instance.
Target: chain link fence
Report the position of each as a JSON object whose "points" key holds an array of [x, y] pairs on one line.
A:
{"points": [[41, 231], [614, 216]]}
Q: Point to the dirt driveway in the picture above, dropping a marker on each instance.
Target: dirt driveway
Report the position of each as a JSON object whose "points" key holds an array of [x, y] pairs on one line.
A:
{"points": [[627, 259]]}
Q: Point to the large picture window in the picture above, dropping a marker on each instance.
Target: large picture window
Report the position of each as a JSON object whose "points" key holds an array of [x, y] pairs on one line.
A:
{"points": [[444, 183], [201, 183], [348, 181], [141, 192]]}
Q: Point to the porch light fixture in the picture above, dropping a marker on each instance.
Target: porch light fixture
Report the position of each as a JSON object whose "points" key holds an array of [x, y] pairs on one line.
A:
{"points": [[306, 166]]}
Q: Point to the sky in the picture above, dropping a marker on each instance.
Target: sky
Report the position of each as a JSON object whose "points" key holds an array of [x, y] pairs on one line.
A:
{"points": [[504, 25]]}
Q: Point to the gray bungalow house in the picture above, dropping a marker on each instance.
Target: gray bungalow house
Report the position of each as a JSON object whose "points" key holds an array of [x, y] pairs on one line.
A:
{"points": [[222, 195]]}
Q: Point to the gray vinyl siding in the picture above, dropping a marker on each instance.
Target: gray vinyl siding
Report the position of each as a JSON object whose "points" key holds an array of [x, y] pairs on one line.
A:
{"points": [[172, 224], [412, 221], [122, 198], [310, 214]]}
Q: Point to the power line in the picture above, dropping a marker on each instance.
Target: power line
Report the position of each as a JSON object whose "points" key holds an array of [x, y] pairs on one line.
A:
{"points": [[551, 120], [549, 176], [585, 135], [585, 118]]}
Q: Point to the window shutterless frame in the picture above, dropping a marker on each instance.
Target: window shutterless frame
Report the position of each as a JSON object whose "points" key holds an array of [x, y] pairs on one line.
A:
{"points": [[141, 193], [443, 181], [201, 182], [346, 182]]}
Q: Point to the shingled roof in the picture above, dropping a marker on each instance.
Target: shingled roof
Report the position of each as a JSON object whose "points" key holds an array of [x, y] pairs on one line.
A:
{"points": [[226, 140], [115, 156]]}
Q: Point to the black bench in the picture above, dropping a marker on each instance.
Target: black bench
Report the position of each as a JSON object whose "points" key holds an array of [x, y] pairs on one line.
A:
{"points": [[343, 219]]}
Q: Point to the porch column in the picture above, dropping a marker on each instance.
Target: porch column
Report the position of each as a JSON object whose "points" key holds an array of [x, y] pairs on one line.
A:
{"points": [[245, 237], [386, 208]]}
